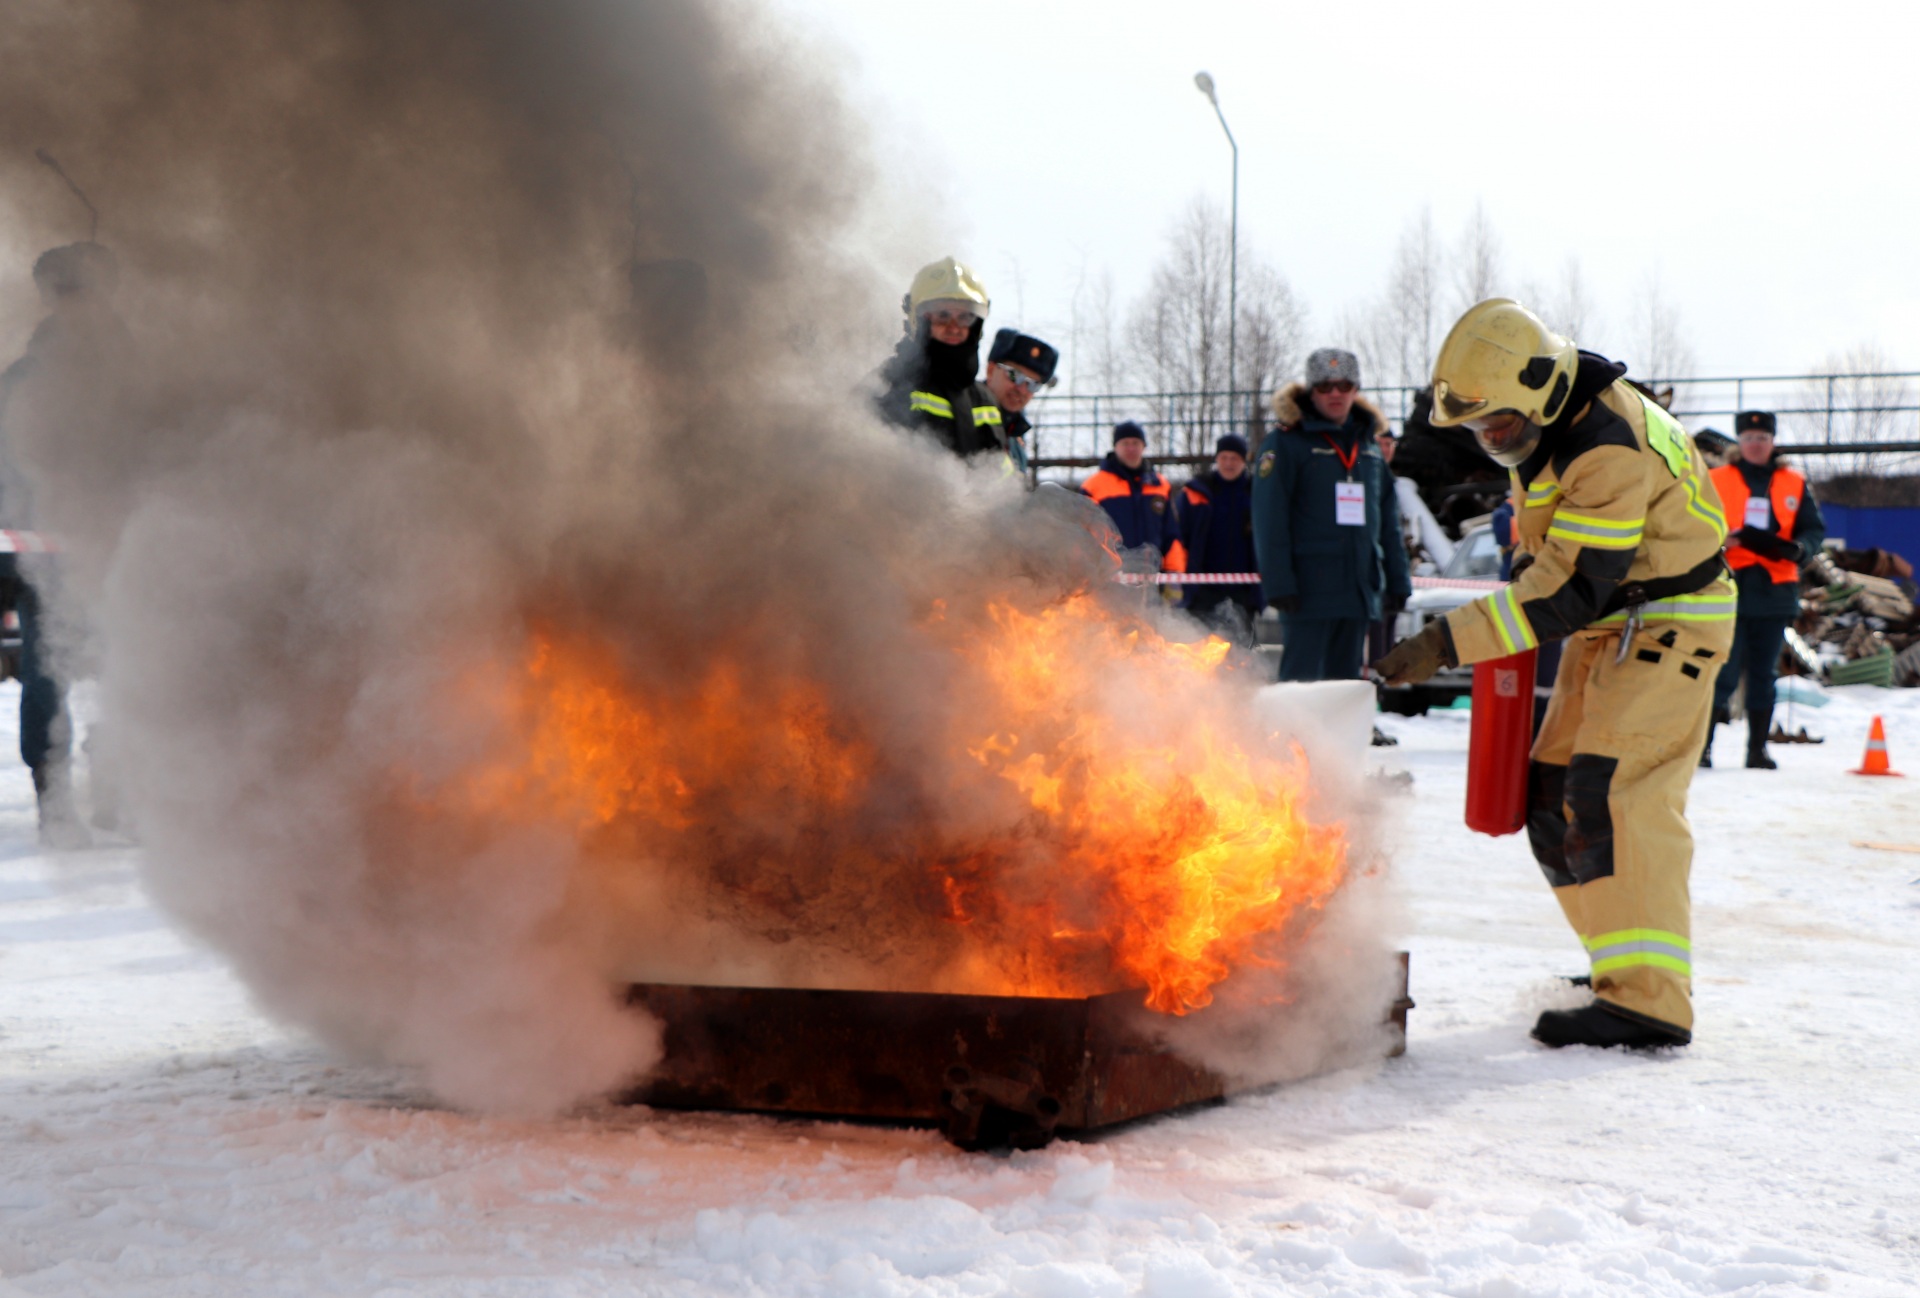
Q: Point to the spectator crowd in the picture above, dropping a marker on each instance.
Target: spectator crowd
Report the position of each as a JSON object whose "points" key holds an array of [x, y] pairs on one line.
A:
{"points": [[1314, 527], [1311, 521]]}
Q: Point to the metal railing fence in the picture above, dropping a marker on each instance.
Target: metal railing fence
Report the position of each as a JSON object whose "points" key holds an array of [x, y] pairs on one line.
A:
{"points": [[1850, 423]]}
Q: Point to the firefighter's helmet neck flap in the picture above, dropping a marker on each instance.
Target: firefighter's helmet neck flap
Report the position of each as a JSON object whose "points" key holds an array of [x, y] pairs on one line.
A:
{"points": [[1505, 375]]}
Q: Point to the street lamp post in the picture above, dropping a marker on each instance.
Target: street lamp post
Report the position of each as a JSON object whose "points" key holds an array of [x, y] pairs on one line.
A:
{"points": [[1205, 81]]}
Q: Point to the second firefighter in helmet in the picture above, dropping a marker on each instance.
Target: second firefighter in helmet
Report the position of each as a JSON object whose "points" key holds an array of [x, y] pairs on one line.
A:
{"points": [[1618, 532], [930, 381]]}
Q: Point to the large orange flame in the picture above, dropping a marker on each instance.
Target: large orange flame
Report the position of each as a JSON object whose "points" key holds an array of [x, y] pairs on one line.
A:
{"points": [[1136, 839], [1199, 850]]}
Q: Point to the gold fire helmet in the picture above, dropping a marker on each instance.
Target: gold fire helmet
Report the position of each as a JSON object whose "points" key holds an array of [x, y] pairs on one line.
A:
{"points": [[1499, 356], [946, 280]]}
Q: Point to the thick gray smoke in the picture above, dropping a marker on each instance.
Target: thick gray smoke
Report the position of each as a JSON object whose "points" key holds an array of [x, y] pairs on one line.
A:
{"points": [[465, 329]]}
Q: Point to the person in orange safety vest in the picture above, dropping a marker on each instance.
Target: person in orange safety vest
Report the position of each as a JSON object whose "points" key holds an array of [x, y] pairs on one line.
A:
{"points": [[1138, 500], [1775, 523]]}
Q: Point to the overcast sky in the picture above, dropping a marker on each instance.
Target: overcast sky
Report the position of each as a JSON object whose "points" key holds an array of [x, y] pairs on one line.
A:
{"points": [[1756, 158]]}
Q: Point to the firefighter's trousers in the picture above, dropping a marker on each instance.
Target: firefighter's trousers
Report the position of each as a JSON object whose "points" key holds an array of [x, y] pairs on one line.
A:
{"points": [[1607, 802]]}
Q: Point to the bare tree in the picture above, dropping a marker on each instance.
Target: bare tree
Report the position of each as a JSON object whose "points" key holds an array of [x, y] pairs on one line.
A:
{"points": [[1398, 335], [1478, 271], [1272, 326], [1660, 349], [1177, 336], [1861, 402], [1568, 306], [1093, 364], [1094, 360]]}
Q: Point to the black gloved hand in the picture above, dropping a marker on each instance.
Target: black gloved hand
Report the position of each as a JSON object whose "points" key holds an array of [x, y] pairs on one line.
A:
{"points": [[1418, 657], [1521, 562], [1766, 543], [1285, 604]]}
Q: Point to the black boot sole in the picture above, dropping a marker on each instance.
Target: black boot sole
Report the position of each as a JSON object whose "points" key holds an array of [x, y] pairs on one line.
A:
{"points": [[1605, 1026]]}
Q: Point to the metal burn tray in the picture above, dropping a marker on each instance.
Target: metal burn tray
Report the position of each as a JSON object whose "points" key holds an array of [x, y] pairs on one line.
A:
{"points": [[990, 1071]]}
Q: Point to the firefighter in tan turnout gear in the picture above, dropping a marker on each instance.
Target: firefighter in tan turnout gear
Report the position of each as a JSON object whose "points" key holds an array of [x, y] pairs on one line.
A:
{"points": [[1621, 531]]}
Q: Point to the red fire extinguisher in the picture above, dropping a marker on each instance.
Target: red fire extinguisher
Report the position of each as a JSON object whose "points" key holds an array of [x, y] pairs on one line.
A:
{"points": [[1498, 744]]}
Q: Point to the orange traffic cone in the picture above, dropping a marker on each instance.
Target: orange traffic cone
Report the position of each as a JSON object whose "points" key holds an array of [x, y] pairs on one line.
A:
{"points": [[1875, 762]]}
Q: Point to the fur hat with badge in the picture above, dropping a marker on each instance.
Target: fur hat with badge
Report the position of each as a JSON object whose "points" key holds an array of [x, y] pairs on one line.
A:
{"points": [[1012, 347], [1333, 365]]}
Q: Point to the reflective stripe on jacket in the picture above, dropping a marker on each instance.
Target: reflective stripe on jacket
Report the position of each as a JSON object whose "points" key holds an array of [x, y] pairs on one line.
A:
{"points": [[1621, 495]]}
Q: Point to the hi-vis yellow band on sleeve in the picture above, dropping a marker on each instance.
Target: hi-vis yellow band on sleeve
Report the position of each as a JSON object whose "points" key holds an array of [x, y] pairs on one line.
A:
{"points": [[1642, 947], [929, 403], [1602, 533], [1515, 632], [1542, 493]]}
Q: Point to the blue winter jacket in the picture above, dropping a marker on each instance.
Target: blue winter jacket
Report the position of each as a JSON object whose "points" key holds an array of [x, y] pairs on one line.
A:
{"points": [[1333, 570], [1216, 526], [1140, 503]]}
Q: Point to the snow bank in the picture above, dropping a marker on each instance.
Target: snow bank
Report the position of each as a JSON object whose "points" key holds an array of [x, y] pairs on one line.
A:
{"points": [[159, 1140]]}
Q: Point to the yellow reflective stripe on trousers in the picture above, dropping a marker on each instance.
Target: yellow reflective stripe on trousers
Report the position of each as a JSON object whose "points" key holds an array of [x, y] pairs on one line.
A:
{"points": [[1516, 633], [1604, 533], [1708, 606], [1631, 947]]}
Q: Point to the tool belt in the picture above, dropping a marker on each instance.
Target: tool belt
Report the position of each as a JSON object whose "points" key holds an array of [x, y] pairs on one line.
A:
{"points": [[1630, 595]]}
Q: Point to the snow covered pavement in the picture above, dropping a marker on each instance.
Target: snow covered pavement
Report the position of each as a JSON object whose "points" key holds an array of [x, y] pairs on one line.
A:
{"points": [[158, 1138]]}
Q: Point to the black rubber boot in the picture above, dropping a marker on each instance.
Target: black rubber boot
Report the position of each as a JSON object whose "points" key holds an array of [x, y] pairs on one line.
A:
{"points": [[1759, 725], [1607, 1026], [60, 824]]}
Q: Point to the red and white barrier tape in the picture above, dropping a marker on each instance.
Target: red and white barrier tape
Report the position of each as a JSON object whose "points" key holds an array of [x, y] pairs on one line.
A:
{"points": [[1188, 578], [14, 542], [1253, 579]]}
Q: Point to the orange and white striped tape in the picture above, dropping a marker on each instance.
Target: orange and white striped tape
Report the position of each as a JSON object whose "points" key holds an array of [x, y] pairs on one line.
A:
{"points": [[1253, 579]]}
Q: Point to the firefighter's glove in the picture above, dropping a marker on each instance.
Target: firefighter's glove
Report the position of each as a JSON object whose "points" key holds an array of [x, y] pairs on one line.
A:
{"points": [[1418, 657], [1521, 562], [1768, 544]]}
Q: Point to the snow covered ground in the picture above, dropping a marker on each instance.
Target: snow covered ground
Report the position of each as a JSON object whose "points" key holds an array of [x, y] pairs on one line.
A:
{"points": [[157, 1137]]}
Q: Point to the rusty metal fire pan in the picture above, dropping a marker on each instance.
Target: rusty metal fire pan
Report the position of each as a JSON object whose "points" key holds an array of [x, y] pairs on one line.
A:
{"points": [[989, 1071]]}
